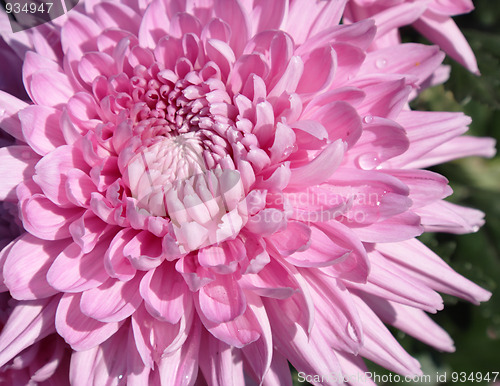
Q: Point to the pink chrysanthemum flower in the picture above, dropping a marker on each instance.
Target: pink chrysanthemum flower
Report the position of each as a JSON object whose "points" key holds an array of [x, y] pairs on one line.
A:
{"points": [[212, 189], [432, 18]]}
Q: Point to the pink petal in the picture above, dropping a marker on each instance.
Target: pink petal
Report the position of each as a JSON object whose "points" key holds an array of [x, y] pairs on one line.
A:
{"points": [[426, 131], [336, 313], [279, 372], [58, 83], [397, 228], [425, 186], [442, 216], [26, 266], [41, 128], [397, 16], [443, 31], [144, 251], [381, 347], [224, 365], [74, 271], [42, 218], [356, 265], [116, 264], [80, 331], [319, 70], [94, 64], [420, 262], [389, 281], [295, 238], [385, 96], [52, 169], [414, 59], [18, 164], [165, 293], [259, 353], [271, 281], [412, 321], [304, 14], [340, 120], [154, 22], [181, 367], [460, 147], [87, 230], [116, 15], [233, 14], [222, 300], [112, 301], [238, 332], [93, 366], [222, 258], [9, 121], [79, 33], [306, 352], [155, 339], [268, 15], [320, 168], [28, 323]]}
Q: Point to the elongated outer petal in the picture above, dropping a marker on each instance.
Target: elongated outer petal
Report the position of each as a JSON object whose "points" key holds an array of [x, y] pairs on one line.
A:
{"points": [[391, 282], [307, 352], [26, 266], [381, 347], [80, 331], [17, 164], [411, 320], [29, 322], [181, 367], [9, 121], [414, 59], [335, 312], [259, 353], [443, 216], [223, 364], [420, 262], [94, 367], [443, 31], [460, 147]]}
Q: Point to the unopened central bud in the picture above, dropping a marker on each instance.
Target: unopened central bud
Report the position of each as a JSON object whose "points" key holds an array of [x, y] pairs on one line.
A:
{"points": [[153, 171]]}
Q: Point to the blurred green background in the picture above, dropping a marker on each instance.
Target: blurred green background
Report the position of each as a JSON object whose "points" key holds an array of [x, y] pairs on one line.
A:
{"points": [[476, 183]]}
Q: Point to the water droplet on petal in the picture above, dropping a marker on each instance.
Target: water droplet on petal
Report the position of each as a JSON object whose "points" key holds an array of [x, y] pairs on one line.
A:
{"points": [[381, 63], [2, 112], [369, 161], [368, 119]]}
